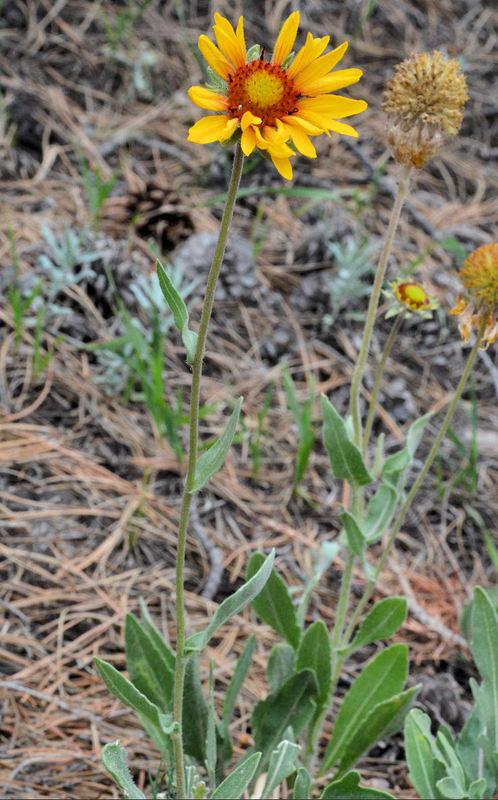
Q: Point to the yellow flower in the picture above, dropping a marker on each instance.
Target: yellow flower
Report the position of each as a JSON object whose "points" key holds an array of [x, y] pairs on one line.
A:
{"points": [[411, 298], [479, 303], [271, 102], [424, 102]]}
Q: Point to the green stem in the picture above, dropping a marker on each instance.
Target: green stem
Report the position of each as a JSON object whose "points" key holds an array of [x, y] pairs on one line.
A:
{"points": [[416, 484], [373, 305], [192, 460], [378, 375]]}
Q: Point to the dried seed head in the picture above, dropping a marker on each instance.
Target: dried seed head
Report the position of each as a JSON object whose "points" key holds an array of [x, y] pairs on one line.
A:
{"points": [[424, 102]]}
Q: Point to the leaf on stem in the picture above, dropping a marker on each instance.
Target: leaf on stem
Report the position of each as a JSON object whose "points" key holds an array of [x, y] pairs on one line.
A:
{"points": [[274, 605], [212, 460], [114, 760], [179, 310], [381, 622], [345, 458]]}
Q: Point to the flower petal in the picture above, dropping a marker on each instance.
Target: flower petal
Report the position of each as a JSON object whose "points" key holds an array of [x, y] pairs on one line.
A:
{"points": [[228, 42], [214, 57], [248, 118], [319, 67], [248, 141], [342, 128], [333, 105], [308, 53], [301, 141], [286, 38], [208, 129], [205, 98], [303, 125], [334, 81], [283, 166]]}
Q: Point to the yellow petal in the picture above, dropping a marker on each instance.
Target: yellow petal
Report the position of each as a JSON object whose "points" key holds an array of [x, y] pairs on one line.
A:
{"points": [[342, 128], [214, 57], [283, 166], [311, 50], [248, 141], [248, 118], [205, 98], [319, 67], [334, 81], [230, 128], [208, 129], [286, 38], [229, 45], [303, 125], [302, 142], [333, 105], [240, 36]]}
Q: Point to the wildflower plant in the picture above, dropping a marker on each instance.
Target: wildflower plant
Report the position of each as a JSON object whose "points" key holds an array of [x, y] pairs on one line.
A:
{"points": [[276, 105]]}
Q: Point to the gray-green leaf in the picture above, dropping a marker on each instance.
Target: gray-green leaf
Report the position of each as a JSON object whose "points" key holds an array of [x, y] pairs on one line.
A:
{"points": [[212, 460], [348, 788], [114, 760], [235, 784], [345, 458], [282, 763], [179, 310], [274, 605], [381, 622], [315, 653], [232, 605]]}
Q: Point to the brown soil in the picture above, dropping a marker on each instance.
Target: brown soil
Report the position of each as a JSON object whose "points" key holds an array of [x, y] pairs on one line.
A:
{"points": [[82, 471]]}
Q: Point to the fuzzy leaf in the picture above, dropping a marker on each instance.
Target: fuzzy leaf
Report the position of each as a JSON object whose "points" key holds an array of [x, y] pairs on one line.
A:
{"points": [[274, 605], [114, 760], [282, 763], [315, 653], [239, 779], [345, 458], [212, 460], [348, 788], [179, 310], [381, 622]]}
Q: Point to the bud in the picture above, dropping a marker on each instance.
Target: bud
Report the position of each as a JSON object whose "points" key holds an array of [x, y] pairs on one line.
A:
{"points": [[423, 102]]}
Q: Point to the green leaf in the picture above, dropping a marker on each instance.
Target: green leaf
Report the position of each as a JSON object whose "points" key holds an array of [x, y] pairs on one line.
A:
{"points": [[147, 669], [236, 681], [381, 622], [167, 654], [239, 779], [211, 743], [477, 788], [354, 535], [179, 310], [274, 605], [114, 760], [232, 605], [292, 705], [469, 749], [212, 460], [418, 745], [345, 458], [280, 666], [282, 764], [315, 653], [381, 679], [380, 510], [302, 785], [415, 432], [485, 651], [195, 712], [324, 558], [158, 725], [384, 718], [394, 468], [348, 788]]}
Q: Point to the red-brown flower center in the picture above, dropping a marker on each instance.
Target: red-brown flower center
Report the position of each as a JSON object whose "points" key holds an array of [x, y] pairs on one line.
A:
{"points": [[264, 89]]}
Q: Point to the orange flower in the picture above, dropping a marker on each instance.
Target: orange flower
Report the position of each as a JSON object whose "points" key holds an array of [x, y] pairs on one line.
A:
{"points": [[479, 303], [271, 102], [411, 298]]}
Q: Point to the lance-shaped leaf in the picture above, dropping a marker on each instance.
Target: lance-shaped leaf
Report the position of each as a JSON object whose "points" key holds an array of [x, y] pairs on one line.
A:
{"points": [[381, 679], [348, 788], [484, 647], [274, 605], [292, 705], [315, 653], [212, 460], [380, 510], [114, 760], [381, 622], [418, 746], [239, 779], [232, 605], [280, 666], [354, 534], [302, 784], [147, 668], [385, 718], [345, 458], [282, 763], [179, 310], [195, 712], [236, 681]]}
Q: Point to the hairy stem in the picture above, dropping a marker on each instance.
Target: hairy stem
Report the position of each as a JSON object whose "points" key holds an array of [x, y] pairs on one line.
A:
{"points": [[192, 460], [378, 375]]}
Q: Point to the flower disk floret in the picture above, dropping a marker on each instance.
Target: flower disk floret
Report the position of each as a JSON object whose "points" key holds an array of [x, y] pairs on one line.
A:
{"points": [[274, 105]]}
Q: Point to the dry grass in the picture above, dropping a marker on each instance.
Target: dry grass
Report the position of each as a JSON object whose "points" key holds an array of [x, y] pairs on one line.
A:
{"points": [[73, 458]]}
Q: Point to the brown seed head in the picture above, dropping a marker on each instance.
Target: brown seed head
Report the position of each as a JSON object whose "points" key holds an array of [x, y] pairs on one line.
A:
{"points": [[424, 102]]}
